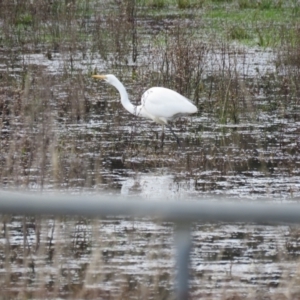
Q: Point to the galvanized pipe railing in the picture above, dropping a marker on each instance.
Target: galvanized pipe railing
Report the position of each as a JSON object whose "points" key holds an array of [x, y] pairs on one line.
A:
{"points": [[181, 213]]}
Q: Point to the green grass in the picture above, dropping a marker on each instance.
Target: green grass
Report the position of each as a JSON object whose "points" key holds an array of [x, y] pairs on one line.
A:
{"points": [[254, 23], [181, 4], [262, 4], [253, 26]]}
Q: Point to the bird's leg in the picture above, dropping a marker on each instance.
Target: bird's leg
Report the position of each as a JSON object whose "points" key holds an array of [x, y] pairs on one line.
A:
{"points": [[162, 136], [176, 137]]}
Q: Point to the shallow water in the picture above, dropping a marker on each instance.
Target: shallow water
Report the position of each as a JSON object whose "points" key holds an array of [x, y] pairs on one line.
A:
{"points": [[130, 257]]}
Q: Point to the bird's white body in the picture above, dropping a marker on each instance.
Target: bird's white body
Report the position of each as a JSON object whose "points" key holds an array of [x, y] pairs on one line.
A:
{"points": [[162, 105], [159, 104]]}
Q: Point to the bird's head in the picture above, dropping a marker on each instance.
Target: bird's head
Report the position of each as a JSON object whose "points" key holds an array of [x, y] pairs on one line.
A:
{"points": [[109, 78]]}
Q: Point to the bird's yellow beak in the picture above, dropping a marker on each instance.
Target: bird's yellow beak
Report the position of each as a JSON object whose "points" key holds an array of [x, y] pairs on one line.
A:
{"points": [[103, 77]]}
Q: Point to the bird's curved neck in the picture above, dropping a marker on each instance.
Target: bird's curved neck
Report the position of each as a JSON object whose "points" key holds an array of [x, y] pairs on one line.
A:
{"points": [[124, 98]]}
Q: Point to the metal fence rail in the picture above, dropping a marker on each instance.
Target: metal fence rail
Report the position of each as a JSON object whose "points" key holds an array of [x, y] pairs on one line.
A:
{"points": [[181, 213]]}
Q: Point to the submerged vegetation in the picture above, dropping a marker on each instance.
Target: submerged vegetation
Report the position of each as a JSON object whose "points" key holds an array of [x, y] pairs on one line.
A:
{"points": [[238, 61]]}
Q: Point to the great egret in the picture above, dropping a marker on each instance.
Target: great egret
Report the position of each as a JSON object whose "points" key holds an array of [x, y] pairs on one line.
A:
{"points": [[159, 104]]}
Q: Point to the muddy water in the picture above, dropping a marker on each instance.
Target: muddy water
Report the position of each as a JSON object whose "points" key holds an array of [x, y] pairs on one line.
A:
{"points": [[109, 150], [135, 258], [70, 133]]}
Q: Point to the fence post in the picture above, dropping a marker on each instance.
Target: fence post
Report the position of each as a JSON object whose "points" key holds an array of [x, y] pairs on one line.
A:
{"points": [[183, 246]]}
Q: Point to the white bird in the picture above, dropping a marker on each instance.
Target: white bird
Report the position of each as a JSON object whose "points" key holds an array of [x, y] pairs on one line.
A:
{"points": [[159, 104]]}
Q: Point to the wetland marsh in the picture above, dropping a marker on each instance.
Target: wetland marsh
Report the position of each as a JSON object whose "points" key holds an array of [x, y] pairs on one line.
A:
{"points": [[61, 130]]}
